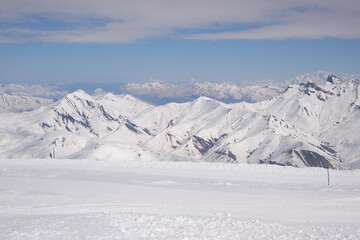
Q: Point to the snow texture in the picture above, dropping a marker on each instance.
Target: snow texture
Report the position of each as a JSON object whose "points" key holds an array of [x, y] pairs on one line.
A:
{"points": [[88, 199]]}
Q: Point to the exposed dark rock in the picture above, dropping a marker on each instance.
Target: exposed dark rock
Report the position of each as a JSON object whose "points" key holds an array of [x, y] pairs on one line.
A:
{"points": [[226, 155], [333, 79], [170, 123], [312, 159], [132, 127], [172, 139], [44, 125], [321, 98], [330, 79], [203, 145], [275, 163], [107, 115], [328, 149], [147, 131], [315, 87]]}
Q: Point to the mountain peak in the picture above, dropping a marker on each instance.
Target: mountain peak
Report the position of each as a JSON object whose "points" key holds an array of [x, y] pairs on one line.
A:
{"points": [[203, 98], [129, 97], [333, 79], [80, 94], [318, 77]]}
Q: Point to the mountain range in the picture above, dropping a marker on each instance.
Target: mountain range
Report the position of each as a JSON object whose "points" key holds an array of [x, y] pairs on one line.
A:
{"points": [[13, 103], [160, 93], [310, 124]]}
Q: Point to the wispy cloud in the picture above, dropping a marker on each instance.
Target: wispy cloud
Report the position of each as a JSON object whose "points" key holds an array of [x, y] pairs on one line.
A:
{"points": [[129, 21]]}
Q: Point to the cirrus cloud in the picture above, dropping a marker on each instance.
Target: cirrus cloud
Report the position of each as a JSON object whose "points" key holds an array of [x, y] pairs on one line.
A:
{"points": [[119, 21]]}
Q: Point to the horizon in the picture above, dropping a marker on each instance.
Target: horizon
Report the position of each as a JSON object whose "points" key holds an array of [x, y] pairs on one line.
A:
{"points": [[159, 93]]}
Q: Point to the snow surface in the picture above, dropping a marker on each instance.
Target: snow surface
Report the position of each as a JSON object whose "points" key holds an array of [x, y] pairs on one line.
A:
{"points": [[89, 199]]}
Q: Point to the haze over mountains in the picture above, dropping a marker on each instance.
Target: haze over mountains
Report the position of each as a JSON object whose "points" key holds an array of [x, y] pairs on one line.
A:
{"points": [[312, 123], [23, 97], [154, 91]]}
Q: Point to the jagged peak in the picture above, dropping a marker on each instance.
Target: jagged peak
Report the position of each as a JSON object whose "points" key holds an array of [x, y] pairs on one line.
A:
{"points": [[332, 79], [316, 77]]}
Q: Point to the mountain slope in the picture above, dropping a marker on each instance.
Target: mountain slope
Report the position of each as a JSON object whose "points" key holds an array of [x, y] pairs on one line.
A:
{"points": [[309, 125], [11, 103], [329, 111], [67, 125]]}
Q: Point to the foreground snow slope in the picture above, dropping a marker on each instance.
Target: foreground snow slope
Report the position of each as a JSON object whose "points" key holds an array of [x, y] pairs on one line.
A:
{"points": [[87, 199]]}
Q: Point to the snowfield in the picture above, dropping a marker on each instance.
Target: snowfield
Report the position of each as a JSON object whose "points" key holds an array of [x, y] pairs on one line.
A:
{"points": [[90, 199]]}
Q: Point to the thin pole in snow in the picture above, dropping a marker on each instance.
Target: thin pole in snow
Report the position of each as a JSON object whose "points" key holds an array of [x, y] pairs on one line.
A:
{"points": [[328, 175], [53, 152]]}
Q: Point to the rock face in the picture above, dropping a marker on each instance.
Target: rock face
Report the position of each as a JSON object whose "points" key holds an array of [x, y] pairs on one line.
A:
{"points": [[309, 125], [333, 79]]}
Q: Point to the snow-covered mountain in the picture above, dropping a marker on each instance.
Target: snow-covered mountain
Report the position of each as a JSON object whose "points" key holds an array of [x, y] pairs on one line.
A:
{"points": [[81, 114], [68, 125], [161, 93], [11, 103], [310, 124], [231, 92], [32, 90], [24, 97], [329, 111], [318, 77]]}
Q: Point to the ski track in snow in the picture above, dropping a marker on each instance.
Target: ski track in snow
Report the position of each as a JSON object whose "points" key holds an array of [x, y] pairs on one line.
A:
{"points": [[86, 199]]}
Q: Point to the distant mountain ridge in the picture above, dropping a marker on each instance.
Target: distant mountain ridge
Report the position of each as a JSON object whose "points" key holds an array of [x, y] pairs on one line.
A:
{"points": [[23, 97], [308, 125], [11, 103], [161, 93]]}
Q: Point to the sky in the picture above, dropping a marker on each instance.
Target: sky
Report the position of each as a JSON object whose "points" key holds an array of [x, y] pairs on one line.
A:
{"points": [[114, 41]]}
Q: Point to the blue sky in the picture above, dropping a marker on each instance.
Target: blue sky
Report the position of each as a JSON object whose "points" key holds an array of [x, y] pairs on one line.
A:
{"points": [[175, 41]]}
